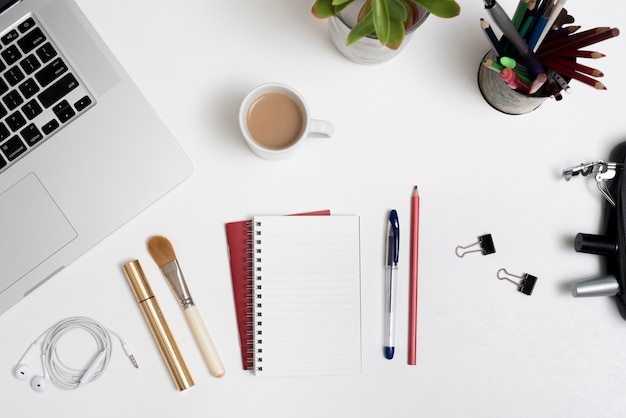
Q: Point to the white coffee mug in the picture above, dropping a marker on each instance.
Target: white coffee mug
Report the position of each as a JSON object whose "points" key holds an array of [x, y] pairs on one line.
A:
{"points": [[274, 119]]}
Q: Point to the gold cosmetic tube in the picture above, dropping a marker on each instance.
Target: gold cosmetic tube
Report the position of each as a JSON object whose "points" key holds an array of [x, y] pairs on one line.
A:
{"points": [[158, 326]]}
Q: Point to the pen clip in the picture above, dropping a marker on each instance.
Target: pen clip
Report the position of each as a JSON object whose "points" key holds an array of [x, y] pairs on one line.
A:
{"points": [[604, 171], [393, 238]]}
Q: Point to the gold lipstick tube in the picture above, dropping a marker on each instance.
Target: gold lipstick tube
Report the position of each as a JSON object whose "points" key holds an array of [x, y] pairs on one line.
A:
{"points": [[158, 326]]}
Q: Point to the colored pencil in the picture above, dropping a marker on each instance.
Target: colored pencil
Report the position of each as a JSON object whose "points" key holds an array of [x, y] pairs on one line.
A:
{"points": [[491, 37], [568, 72], [526, 25], [572, 38], [567, 46], [537, 83], [579, 53], [493, 65], [522, 7], [415, 221], [575, 66]]}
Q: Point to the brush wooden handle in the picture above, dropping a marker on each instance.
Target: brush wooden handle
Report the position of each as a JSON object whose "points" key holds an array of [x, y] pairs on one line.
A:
{"points": [[204, 342]]}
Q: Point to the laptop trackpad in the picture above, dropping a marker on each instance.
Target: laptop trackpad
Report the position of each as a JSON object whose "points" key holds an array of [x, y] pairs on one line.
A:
{"points": [[32, 228]]}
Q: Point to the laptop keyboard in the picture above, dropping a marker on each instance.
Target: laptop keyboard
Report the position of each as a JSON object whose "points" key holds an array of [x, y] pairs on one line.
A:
{"points": [[39, 92]]}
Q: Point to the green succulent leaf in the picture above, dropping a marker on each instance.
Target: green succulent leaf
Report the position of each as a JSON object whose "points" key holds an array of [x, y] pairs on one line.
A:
{"points": [[380, 13], [396, 34], [363, 28], [386, 19], [326, 8], [397, 10], [440, 8]]}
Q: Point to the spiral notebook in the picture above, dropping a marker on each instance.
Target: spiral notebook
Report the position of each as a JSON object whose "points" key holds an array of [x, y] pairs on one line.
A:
{"points": [[306, 295], [239, 249]]}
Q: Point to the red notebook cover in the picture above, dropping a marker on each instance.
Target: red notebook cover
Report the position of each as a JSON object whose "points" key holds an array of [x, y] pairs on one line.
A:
{"points": [[238, 251]]}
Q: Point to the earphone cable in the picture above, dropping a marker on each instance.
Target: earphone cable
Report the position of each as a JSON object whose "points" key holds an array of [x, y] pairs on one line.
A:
{"points": [[69, 378]]}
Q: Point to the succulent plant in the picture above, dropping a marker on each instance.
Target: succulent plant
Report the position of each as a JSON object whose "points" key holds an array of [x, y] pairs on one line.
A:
{"points": [[388, 20]]}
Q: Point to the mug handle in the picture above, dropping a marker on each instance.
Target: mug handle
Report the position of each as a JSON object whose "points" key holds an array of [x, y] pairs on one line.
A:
{"points": [[320, 129]]}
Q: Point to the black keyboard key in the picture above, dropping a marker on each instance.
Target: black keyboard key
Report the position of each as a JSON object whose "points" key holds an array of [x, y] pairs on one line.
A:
{"points": [[29, 88], [11, 55], [13, 148], [46, 52], [2, 163], [31, 40], [3, 111], [31, 134], [64, 111], [49, 127], [3, 87], [15, 121], [32, 109], [51, 72], [13, 99], [30, 64], [4, 132], [82, 103], [14, 75], [10, 37], [58, 90], [26, 25]]}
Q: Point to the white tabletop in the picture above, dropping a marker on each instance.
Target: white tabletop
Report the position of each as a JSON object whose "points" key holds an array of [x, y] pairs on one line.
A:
{"points": [[484, 349]]}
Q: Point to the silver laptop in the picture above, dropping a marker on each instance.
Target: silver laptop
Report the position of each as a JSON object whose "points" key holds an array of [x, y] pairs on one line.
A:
{"points": [[81, 151]]}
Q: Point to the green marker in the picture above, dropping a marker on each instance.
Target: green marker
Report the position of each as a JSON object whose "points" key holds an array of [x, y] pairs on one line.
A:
{"points": [[509, 62]]}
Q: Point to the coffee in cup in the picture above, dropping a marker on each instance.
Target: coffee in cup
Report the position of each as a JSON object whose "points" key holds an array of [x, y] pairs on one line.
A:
{"points": [[274, 118]]}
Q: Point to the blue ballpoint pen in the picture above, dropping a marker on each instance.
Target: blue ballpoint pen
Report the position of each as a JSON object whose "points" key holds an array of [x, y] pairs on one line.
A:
{"points": [[391, 271]]}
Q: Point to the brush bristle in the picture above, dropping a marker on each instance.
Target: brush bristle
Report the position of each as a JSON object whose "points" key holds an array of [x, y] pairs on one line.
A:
{"points": [[161, 250]]}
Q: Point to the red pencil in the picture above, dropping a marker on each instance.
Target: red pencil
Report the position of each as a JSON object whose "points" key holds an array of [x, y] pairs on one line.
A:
{"points": [[537, 83], [583, 54], [415, 221], [584, 69], [571, 73], [599, 36], [576, 37]]}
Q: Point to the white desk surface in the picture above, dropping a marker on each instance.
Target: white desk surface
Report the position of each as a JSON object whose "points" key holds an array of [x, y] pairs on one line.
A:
{"points": [[484, 349]]}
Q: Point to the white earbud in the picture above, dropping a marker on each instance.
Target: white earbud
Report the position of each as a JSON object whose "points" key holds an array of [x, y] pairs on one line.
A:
{"points": [[41, 383], [23, 371]]}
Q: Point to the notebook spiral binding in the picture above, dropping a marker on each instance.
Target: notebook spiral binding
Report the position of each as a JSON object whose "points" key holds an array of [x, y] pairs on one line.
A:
{"points": [[254, 309]]}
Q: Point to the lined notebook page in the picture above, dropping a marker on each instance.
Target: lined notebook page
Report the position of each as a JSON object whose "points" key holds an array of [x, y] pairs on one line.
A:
{"points": [[307, 295]]}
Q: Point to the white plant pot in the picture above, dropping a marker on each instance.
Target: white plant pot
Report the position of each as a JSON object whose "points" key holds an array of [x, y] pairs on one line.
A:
{"points": [[366, 50]]}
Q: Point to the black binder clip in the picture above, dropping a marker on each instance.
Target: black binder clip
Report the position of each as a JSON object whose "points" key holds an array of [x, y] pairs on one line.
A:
{"points": [[485, 244], [526, 284]]}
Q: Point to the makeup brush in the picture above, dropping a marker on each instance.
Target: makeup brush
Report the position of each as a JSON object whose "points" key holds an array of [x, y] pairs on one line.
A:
{"points": [[163, 254]]}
